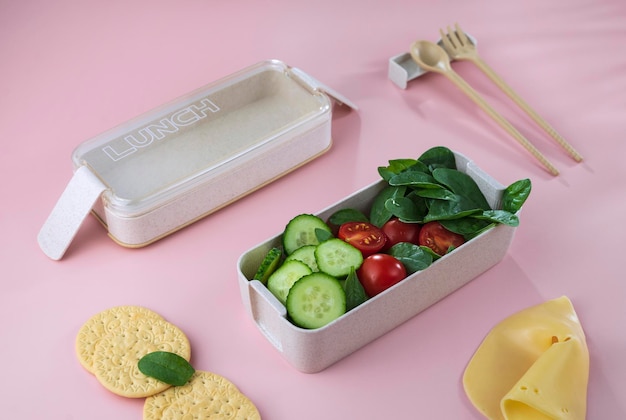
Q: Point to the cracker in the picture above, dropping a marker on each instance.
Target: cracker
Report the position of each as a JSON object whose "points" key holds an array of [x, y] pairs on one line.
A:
{"points": [[117, 354], [100, 324], [206, 396]]}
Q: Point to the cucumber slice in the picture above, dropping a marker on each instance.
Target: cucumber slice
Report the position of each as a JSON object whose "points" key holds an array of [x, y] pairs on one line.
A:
{"points": [[268, 265], [315, 300], [336, 257], [300, 231], [284, 277], [306, 254]]}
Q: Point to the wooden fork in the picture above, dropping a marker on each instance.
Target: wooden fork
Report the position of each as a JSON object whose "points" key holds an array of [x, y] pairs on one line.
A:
{"points": [[460, 47]]}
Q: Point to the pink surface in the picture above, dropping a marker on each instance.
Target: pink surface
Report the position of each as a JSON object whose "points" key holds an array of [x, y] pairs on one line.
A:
{"points": [[70, 70]]}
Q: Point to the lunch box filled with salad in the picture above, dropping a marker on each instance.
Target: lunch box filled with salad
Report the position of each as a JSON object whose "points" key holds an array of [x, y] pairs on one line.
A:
{"points": [[186, 159], [327, 284]]}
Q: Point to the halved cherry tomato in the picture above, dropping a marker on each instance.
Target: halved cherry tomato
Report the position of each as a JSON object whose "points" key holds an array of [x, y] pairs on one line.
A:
{"points": [[439, 239], [364, 236], [379, 272], [397, 231]]}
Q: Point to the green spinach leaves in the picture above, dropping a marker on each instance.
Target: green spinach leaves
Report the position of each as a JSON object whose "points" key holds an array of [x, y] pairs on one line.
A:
{"points": [[431, 188]]}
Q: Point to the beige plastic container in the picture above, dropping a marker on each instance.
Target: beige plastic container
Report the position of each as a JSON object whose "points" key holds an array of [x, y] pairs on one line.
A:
{"points": [[180, 162], [311, 351]]}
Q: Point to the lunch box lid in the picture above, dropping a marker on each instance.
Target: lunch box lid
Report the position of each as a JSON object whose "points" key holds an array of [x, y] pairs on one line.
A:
{"points": [[171, 150]]}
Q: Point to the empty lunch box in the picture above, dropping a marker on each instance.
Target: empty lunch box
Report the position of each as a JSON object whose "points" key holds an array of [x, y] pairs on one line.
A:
{"points": [[184, 160], [314, 350]]}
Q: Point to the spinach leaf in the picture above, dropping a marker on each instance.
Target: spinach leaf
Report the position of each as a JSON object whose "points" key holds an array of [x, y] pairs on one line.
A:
{"points": [[462, 185], [459, 206], [515, 195], [414, 179], [385, 173], [166, 367], [355, 293], [499, 216], [413, 257], [466, 226], [410, 209], [430, 252], [347, 215], [399, 165], [439, 193], [419, 166], [395, 167], [421, 206], [403, 208], [322, 235], [379, 213], [438, 157]]}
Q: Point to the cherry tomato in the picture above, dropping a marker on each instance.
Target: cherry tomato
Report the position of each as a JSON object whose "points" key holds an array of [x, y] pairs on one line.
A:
{"points": [[439, 239], [379, 272], [364, 236], [397, 231]]}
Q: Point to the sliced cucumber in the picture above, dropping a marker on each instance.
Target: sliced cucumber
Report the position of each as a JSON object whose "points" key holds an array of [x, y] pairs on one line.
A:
{"points": [[306, 254], [336, 257], [315, 300], [268, 265], [300, 231], [284, 277]]}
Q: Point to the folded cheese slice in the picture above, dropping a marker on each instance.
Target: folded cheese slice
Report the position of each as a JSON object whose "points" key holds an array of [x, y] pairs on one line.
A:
{"points": [[534, 365]]}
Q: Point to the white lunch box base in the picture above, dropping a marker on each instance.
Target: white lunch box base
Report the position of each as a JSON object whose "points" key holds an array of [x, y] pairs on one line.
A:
{"points": [[229, 186], [311, 351]]}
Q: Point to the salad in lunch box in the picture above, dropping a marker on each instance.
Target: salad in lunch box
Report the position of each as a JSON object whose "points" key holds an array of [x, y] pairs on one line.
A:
{"points": [[427, 209]]}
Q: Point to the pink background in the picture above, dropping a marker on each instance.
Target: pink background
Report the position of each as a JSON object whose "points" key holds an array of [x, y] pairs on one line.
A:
{"points": [[70, 70]]}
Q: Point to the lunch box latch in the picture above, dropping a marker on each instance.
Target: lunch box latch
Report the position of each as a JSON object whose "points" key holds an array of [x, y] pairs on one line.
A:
{"points": [[316, 86], [69, 213]]}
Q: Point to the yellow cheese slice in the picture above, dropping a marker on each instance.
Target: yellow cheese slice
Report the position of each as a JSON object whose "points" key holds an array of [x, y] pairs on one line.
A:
{"points": [[534, 365]]}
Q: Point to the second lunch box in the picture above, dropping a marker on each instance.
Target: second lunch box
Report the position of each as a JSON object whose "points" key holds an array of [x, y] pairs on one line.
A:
{"points": [[182, 161]]}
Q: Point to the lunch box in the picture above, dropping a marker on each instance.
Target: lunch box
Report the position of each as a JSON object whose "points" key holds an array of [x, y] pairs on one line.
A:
{"points": [[182, 161], [314, 350]]}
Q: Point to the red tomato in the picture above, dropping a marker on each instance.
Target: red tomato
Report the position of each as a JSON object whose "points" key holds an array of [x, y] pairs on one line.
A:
{"points": [[364, 236], [397, 231], [379, 272], [439, 239]]}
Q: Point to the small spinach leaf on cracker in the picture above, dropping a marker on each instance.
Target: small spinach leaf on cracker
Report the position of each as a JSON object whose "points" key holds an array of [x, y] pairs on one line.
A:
{"points": [[166, 367]]}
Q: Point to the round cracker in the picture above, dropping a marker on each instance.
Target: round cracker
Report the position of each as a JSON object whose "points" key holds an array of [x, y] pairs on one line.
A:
{"points": [[117, 355], [206, 396], [100, 324]]}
